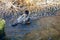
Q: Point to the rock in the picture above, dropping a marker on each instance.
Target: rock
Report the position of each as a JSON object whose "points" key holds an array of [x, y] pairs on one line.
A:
{"points": [[2, 26], [2, 23]]}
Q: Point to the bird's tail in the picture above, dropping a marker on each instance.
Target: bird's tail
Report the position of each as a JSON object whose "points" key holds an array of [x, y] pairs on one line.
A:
{"points": [[15, 24]]}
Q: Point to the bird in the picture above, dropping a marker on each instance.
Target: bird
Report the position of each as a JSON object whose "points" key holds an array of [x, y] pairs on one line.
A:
{"points": [[23, 19]]}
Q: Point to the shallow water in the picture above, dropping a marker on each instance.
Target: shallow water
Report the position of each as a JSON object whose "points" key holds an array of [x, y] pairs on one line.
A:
{"points": [[22, 29]]}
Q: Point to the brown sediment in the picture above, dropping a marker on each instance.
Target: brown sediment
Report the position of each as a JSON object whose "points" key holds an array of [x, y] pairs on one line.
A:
{"points": [[50, 27]]}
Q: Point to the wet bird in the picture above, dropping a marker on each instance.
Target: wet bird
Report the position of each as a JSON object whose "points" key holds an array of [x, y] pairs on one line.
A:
{"points": [[23, 19]]}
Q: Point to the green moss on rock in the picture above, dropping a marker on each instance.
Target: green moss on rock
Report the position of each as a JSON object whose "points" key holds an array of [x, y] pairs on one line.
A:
{"points": [[2, 26], [2, 23]]}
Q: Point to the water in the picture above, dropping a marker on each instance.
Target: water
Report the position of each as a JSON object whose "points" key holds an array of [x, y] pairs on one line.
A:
{"points": [[21, 29]]}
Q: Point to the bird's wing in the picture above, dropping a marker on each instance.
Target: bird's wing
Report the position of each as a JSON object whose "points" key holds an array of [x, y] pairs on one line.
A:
{"points": [[20, 18]]}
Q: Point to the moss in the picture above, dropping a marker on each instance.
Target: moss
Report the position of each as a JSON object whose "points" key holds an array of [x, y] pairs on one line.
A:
{"points": [[2, 26], [2, 23]]}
